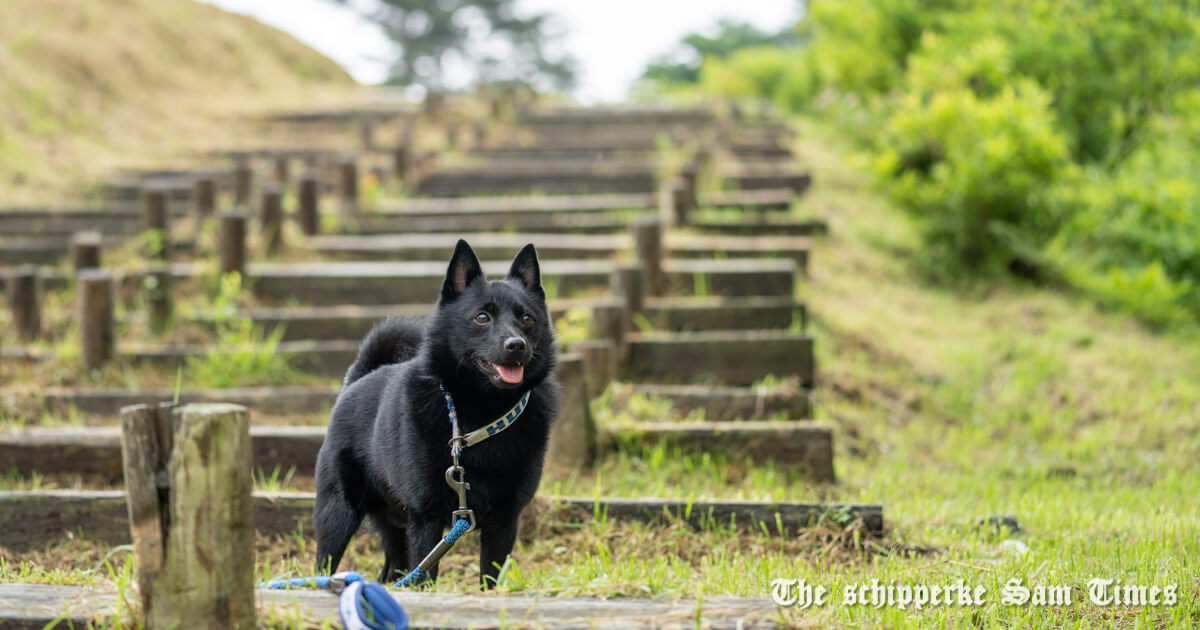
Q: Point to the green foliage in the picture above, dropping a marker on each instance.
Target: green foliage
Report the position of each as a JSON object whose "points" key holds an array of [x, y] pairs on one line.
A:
{"points": [[428, 33], [684, 65], [782, 73], [1131, 235], [1049, 138], [973, 154], [572, 327], [243, 354]]}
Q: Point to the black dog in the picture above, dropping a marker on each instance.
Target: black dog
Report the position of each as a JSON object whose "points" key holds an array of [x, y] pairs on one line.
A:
{"points": [[387, 448]]}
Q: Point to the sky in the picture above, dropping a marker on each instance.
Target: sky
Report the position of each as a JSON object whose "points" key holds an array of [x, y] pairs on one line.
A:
{"points": [[612, 40]]}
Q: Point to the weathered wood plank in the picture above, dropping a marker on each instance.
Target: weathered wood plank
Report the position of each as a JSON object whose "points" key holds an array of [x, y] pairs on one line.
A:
{"points": [[487, 245], [553, 181], [96, 451], [794, 444], [500, 245], [732, 357], [34, 607], [474, 206], [722, 403], [397, 283], [681, 314], [761, 228], [33, 519], [284, 401]]}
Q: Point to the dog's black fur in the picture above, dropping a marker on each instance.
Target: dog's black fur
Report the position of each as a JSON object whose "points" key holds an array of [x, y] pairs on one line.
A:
{"points": [[386, 452]]}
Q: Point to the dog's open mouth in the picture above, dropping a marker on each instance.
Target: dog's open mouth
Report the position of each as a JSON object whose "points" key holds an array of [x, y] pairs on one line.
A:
{"points": [[511, 374]]}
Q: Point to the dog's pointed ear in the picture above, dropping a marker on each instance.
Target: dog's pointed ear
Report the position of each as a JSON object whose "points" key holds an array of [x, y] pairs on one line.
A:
{"points": [[464, 269], [526, 271]]}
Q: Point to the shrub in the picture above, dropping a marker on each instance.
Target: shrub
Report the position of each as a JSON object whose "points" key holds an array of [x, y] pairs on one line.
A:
{"points": [[973, 152]]}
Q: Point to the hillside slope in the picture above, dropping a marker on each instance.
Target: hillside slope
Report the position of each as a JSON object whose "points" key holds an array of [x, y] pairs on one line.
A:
{"points": [[90, 85]]}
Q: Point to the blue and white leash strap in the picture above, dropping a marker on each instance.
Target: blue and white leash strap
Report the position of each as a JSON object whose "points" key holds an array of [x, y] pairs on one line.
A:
{"points": [[414, 577], [362, 605]]}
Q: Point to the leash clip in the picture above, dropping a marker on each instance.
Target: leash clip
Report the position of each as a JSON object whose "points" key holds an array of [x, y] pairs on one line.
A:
{"points": [[456, 477], [339, 580]]}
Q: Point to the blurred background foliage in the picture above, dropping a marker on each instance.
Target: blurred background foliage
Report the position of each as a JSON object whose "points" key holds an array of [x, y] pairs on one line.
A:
{"points": [[489, 40], [1050, 139]]}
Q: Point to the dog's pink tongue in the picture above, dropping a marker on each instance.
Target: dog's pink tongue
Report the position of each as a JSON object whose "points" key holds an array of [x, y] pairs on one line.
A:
{"points": [[511, 373]]}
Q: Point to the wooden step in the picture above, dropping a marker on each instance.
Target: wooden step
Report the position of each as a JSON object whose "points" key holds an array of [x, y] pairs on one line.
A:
{"points": [[761, 228], [398, 283], [731, 357], [375, 283], [800, 445], [722, 402], [35, 519], [487, 245], [96, 451], [37, 606], [270, 401], [682, 314]]}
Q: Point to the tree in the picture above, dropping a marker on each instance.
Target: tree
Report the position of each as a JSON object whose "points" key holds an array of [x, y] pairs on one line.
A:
{"points": [[485, 39], [683, 65]]}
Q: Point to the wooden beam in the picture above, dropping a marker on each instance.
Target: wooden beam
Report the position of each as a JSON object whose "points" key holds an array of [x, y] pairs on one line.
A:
{"points": [[732, 357], [37, 606], [722, 402], [792, 444], [34, 519]]}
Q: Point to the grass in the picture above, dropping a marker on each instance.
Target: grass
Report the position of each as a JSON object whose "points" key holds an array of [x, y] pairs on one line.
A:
{"points": [[952, 404], [85, 97]]}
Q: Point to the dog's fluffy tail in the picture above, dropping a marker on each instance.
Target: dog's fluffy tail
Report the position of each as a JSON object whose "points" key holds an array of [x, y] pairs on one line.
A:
{"points": [[393, 340]]}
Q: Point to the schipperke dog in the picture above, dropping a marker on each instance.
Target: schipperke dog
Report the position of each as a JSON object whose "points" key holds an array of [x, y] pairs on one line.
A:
{"points": [[387, 449]]}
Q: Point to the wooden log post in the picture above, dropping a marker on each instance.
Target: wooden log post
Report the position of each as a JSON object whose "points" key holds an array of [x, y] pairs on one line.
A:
{"points": [[160, 298], [478, 135], [97, 325], [435, 103], [348, 184], [271, 219], [573, 436], [204, 194], [673, 203], [23, 288], [188, 494], [366, 133], [400, 162], [610, 324], [688, 203], [282, 170], [233, 243], [243, 180], [629, 284], [648, 247], [156, 227], [308, 212], [599, 363], [85, 250]]}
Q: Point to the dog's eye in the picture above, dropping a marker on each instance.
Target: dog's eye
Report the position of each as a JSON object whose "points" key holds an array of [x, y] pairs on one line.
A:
{"points": [[526, 321], [483, 318]]}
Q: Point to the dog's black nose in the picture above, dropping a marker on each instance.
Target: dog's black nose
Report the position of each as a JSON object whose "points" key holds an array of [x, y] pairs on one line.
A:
{"points": [[514, 344]]}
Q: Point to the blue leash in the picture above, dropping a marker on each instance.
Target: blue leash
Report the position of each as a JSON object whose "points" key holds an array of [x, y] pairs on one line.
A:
{"points": [[362, 605], [368, 606]]}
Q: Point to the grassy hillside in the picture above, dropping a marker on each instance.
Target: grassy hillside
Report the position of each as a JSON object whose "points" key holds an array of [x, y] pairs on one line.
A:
{"points": [[90, 85]]}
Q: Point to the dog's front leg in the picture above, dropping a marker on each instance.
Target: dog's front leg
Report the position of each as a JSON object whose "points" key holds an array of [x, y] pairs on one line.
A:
{"points": [[496, 541], [423, 536]]}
